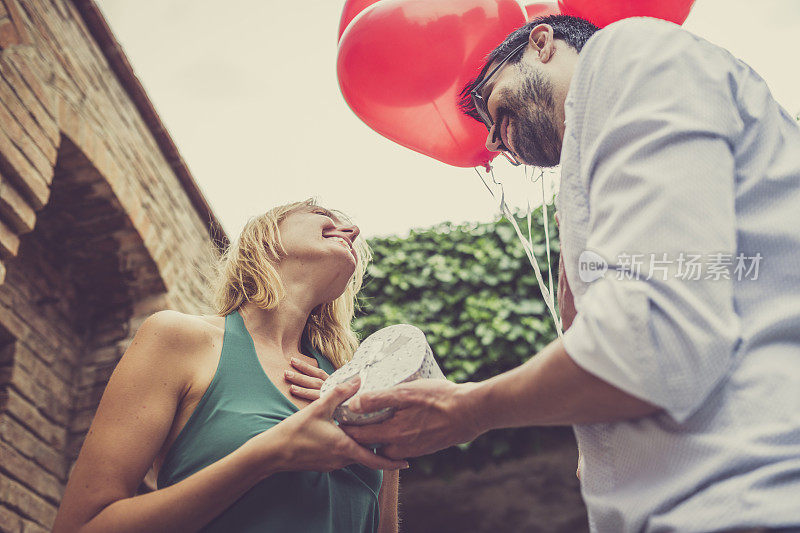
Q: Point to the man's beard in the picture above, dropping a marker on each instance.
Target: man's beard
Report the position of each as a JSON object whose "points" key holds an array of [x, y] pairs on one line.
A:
{"points": [[536, 140]]}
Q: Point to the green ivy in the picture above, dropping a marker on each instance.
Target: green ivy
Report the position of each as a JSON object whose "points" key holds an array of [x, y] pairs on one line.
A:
{"points": [[471, 289]]}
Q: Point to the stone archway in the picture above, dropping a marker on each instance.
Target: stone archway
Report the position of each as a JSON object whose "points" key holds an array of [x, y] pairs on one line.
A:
{"points": [[101, 224], [74, 295]]}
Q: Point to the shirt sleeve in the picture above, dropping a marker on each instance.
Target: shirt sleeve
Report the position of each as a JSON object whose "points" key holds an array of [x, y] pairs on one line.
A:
{"points": [[659, 122]]}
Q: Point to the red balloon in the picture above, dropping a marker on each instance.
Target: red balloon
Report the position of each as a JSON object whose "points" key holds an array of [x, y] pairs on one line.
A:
{"points": [[541, 9], [397, 56], [604, 12], [350, 10], [402, 63]]}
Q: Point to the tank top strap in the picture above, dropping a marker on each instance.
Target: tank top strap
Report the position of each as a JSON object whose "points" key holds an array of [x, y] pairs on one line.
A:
{"points": [[237, 346], [323, 362], [235, 367]]}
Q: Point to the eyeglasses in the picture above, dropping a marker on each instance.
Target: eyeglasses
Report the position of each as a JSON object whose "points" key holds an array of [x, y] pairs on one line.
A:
{"points": [[482, 107]]}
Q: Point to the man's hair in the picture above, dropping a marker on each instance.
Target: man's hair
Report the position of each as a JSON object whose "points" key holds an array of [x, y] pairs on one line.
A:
{"points": [[572, 30]]}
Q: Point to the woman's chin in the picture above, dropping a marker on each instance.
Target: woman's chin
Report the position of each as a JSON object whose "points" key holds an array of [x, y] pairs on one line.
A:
{"points": [[336, 289], [347, 268]]}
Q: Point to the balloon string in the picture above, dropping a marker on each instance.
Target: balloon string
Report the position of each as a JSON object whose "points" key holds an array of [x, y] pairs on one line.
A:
{"points": [[546, 294], [546, 235], [529, 214], [544, 222]]}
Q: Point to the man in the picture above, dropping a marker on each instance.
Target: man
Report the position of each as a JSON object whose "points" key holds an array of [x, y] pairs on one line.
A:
{"points": [[680, 228]]}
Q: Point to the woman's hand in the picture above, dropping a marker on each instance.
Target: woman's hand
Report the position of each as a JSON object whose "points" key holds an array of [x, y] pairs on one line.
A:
{"points": [[305, 380], [311, 440]]}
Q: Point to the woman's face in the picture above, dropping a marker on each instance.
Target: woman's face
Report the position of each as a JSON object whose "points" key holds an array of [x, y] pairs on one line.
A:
{"points": [[320, 242]]}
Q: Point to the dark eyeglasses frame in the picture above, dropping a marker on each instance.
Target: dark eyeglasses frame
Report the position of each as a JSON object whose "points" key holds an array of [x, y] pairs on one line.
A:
{"points": [[482, 107]]}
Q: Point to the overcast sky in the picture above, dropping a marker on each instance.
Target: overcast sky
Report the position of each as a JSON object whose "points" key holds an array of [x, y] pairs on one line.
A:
{"points": [[248, 91]]}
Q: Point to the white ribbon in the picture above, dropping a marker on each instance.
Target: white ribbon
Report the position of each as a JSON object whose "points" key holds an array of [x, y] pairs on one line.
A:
{"points": [[527, 244]]}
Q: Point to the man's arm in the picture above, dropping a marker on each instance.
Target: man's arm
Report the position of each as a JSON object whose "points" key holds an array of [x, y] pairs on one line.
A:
{"points": [[549, 389]]}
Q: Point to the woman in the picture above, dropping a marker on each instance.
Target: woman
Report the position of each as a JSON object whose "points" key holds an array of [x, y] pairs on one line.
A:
{"points": [[205, 400]]}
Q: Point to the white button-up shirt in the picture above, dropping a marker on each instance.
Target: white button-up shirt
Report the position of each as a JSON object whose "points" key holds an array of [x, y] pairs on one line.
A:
{"points": [[682, 174]]}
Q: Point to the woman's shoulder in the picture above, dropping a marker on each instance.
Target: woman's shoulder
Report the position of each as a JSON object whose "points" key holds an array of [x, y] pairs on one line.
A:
{"points": [[184, 346], [173, 333], [182, 328]]}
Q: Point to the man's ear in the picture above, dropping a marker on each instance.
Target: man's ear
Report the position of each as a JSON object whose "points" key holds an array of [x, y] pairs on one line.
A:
{"points": [[542, 41]]}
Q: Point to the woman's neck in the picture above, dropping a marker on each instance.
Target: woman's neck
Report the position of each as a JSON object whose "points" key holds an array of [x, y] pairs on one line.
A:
{"points": [[282, 327]]}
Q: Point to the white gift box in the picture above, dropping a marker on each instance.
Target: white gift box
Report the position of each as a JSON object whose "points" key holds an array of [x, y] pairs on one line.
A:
{"points": [[390, 356]]}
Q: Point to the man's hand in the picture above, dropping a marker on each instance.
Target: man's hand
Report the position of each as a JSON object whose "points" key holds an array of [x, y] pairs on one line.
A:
{"points": [[431, 414]]}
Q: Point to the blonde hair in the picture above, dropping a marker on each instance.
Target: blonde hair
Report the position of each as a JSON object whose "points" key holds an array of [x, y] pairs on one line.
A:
{"points": [[246, 272]]}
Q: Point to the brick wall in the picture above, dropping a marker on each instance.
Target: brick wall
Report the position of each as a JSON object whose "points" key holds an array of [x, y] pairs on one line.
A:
{"points": [[99, 228]]}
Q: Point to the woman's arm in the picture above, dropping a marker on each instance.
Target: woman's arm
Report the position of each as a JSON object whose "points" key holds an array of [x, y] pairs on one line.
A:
{"points": [[133, 418], [387, 502], [186, 506]]}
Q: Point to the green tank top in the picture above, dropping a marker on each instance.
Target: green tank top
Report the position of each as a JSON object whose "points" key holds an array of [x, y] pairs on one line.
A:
{"points": [[242, 402]]}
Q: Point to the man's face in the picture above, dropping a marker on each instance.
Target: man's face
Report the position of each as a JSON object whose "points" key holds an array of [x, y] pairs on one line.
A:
{"points": [[526, 99], [523, 108]]}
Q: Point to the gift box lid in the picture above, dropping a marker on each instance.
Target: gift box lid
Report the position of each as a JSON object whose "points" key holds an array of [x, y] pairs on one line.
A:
{"points": [[386, 358]]}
